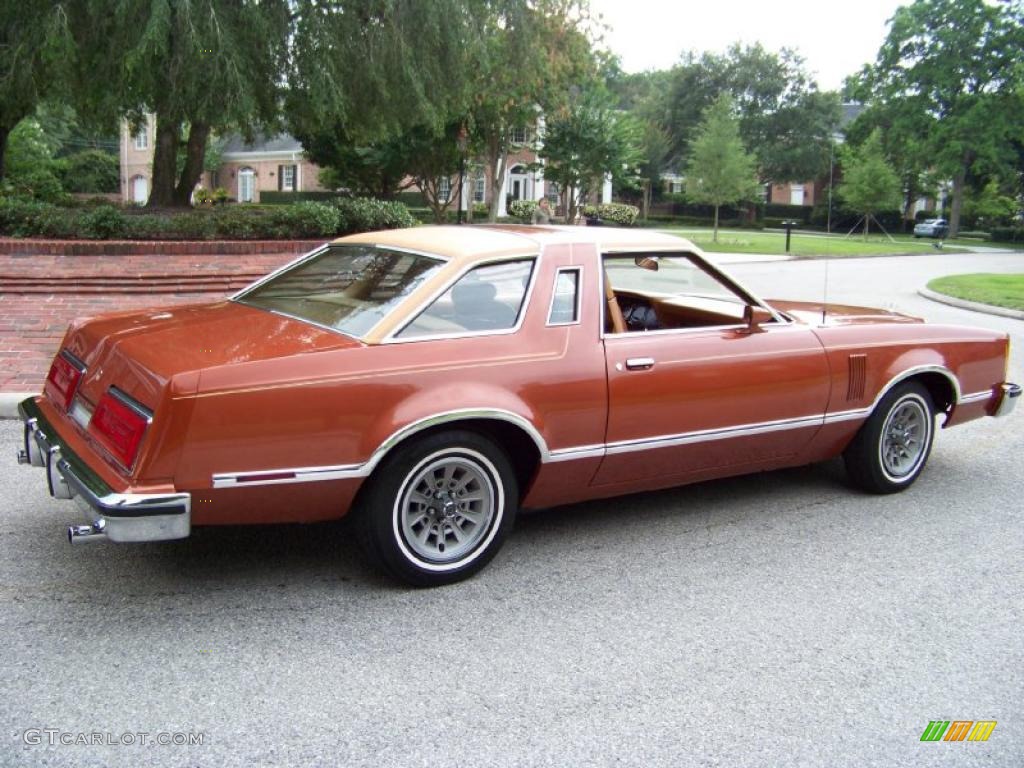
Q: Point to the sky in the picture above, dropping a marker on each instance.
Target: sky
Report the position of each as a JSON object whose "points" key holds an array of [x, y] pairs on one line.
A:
{"points": [[834, 38]]}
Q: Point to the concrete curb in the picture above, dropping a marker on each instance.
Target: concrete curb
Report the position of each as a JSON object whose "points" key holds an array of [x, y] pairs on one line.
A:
{"points": [[974, 306], [9, 403]]}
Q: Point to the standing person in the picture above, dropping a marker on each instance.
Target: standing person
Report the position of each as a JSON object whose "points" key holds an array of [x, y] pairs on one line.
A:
{"points": [[542, 213]]}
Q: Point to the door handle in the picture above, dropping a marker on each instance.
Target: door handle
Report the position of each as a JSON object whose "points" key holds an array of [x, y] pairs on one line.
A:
{"points": [[639, 363]]}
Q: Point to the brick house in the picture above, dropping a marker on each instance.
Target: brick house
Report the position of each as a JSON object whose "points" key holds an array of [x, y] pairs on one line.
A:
{"points": [[247, 169], [278, 163]]}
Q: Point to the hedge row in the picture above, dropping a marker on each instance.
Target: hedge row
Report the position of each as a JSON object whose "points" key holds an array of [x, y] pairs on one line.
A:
{"points": [[1008, 234], [27, 218]]}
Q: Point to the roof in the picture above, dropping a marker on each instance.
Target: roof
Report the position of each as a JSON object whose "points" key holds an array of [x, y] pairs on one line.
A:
{"points": [[470, 243], [282, 143], [850, 112]]}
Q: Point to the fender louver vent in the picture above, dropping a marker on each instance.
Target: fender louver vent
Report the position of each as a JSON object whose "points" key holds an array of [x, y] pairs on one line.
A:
{"points": [[858, 372]]}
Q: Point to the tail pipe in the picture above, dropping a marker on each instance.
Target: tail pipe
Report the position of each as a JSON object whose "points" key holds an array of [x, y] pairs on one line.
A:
{"points": [[79, 534]]}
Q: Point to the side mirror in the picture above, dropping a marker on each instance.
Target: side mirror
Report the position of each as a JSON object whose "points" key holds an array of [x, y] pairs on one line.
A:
{"points": [[755, 317]]}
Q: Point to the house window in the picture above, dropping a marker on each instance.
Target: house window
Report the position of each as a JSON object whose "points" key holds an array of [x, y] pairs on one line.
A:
{"points": [[444, 189], [288, 178], [553, 193], [141, 139], [796, 194], [519, 135], [479, 189]]}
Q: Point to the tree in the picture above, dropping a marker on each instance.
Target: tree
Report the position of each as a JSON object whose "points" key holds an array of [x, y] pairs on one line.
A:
{"points": [[954, 65], [720, 170], [525, 58], [783, 117], [199, 65], [869, 183], [587, 141], [37, 50], [371, 169]]}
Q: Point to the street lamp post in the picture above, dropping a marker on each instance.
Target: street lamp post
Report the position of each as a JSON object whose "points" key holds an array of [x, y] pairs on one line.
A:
{"points": [[463, 142]]}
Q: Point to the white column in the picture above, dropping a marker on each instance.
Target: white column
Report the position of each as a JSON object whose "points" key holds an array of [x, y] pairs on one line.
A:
{"points": [[606, 190]]}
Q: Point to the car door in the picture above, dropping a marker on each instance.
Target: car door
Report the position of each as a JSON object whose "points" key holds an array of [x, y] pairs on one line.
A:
{"points": [[715, 393]]}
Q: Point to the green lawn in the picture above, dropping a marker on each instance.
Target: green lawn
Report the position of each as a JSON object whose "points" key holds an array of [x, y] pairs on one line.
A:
{"points": [[998, 290], [804, 245]]}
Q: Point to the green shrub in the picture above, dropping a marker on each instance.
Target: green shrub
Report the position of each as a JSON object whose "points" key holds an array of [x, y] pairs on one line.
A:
{"points": [[104, 222], [365, 214], [91, 170], [618, 213], [1008, 234], [480, 209], [307, 220], [522, 210], [273, 197]]}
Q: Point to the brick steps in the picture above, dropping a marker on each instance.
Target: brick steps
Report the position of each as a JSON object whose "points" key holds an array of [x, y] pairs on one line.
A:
{"points": [[89, 284], [42, 290]]}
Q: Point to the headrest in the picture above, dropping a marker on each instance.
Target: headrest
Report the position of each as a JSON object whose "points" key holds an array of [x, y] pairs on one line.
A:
{"points": [[473, 292]]}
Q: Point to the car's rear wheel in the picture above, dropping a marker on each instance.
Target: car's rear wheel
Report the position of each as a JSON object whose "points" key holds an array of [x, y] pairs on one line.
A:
{"points": [[891, 449], [438, 508]]}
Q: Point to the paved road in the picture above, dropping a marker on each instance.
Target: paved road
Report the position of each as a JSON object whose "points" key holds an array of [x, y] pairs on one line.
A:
{"points": [[779, 619]]}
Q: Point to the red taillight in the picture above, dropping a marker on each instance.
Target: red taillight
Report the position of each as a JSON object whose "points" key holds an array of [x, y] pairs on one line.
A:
{"points": [[119, 424], [63, 378]]}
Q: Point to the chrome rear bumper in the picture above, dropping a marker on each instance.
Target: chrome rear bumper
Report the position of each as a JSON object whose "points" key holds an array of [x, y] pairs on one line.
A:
{"points": [[122, 517], [1008, 401]]}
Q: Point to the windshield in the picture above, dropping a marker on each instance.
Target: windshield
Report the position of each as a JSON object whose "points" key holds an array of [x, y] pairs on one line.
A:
{"points": [[349, 288]]}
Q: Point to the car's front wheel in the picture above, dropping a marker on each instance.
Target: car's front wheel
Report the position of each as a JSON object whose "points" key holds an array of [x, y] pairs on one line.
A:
{"points": [[438, 508], [891, 448]]}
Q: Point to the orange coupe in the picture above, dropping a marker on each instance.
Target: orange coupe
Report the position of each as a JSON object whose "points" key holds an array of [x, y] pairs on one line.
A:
{"points": [[430, 382]]}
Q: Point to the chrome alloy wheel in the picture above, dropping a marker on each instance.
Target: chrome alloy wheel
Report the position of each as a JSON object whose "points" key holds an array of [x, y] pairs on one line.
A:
{"points": [[905, 438], [448, 509]]}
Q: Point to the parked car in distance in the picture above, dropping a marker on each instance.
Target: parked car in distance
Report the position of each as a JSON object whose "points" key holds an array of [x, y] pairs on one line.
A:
{"points": [[932, 228], [430, 382]]}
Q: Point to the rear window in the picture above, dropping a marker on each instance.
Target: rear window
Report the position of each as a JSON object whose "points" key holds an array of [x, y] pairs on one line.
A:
{"points": [[349, 288]]}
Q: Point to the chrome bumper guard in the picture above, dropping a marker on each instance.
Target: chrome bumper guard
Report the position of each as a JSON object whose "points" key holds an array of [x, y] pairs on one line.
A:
{"points": [[1008, 401], [121, 517]]}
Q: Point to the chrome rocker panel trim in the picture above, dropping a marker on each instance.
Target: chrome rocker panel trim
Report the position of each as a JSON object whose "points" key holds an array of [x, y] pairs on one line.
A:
{"points": [[122, 517]]}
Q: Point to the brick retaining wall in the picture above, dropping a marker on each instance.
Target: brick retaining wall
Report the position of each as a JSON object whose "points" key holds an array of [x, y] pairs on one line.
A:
{"points": [[42, 291]]}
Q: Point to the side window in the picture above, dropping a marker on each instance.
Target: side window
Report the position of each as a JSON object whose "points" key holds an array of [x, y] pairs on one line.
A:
{"points": [[667, 291], [487, 298], [565, 301]]}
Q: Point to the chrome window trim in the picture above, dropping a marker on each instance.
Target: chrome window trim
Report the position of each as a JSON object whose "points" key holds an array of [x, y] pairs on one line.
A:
{"points": [[392, 337], [734, 285], [578, 269]]}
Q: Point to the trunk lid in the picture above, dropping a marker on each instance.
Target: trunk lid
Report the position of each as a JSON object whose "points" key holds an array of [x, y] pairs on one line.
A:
{"points": [[141, 352]]}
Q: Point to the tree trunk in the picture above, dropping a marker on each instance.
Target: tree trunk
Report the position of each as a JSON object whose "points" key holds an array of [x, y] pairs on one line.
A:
{"points": [[5, 131], [646, 200], [715, 236], [908, 203], [195, 152], [867, 225], [959, 182], [497, 158], [165, 161]]}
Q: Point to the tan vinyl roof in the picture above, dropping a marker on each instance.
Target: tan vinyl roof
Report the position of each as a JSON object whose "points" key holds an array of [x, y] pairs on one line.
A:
{"points": [[467, 243]]}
